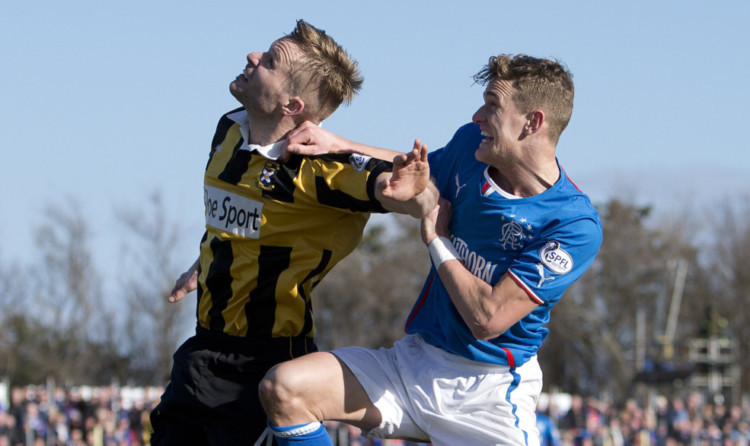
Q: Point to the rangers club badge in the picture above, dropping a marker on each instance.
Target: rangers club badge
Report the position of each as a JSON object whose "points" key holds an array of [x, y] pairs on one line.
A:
{"points": [[265, 179]]}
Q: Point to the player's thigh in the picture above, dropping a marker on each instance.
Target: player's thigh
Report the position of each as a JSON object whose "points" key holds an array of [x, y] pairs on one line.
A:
{"points": [[318, 384]]}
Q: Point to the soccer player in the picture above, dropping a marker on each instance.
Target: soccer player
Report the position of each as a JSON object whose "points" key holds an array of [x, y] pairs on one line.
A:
{"points": [[274, 229], [509, 236]]}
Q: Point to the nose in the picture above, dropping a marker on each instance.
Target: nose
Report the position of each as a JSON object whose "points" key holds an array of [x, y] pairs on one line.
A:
{"points": [[478, 117], [254, 58]]}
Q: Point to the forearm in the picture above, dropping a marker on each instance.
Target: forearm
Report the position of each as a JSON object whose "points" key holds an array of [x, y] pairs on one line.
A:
{"points": [[347, 146], [488, 311], [471, 297]]}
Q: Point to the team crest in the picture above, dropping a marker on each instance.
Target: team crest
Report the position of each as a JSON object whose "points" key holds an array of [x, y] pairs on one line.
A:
{"points": [[513, 233], [265, 179], [555, 258]]}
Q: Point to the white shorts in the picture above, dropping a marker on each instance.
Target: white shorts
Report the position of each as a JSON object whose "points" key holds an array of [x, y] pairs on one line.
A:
{"points": [[427, 394]]}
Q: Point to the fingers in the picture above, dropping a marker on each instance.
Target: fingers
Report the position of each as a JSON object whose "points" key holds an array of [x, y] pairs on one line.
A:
{"points": [[295, 133], [418, 153], [177, 295], [437, 222], [285, 153], [180, 289], [299, 136], [400, 159], [383, 184], [423, 151]]}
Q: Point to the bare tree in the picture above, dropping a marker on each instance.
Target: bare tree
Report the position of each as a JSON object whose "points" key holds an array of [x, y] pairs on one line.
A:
{"points": [[610, 324], [366, 299], [12, 295], [153, 325], [67, 292], [730, 279]]}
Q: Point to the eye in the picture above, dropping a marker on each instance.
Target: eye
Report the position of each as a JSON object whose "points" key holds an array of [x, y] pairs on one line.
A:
{"points": [[267, 60]]}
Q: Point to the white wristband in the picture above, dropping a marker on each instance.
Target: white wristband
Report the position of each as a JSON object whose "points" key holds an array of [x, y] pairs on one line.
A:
{"points": [[441, 250]]}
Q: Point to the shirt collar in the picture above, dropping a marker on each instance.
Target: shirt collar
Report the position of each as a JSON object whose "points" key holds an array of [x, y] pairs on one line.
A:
{"points": [[271, 151]]}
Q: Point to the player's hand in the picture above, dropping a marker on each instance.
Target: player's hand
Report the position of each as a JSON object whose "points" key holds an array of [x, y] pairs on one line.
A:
{"points": [[411, 175], [310, 139], [187, 282], [437, 222]]}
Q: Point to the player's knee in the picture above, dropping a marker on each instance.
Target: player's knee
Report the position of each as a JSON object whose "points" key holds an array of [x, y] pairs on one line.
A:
{"points": [[278, 392], [267, 389]]}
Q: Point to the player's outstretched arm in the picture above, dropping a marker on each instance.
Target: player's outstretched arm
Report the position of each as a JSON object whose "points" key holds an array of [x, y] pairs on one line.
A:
{"points": [[187, 282], [408, 189], [487, 310], [311, 139]]}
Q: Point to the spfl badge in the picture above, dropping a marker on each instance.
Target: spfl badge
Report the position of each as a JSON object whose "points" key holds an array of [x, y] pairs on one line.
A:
{"points": [[555, 258]]}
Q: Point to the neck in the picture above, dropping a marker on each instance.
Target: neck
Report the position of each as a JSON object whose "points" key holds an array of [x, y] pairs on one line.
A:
{"points": [[525, 180], [265, 130]]}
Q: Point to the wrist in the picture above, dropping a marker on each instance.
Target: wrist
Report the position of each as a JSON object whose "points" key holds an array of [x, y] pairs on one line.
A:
{"points": [[441, 250]]}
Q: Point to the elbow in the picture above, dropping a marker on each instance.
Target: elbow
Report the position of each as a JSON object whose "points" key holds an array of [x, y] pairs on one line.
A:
{"points": [[484, 335], [484, 330]]}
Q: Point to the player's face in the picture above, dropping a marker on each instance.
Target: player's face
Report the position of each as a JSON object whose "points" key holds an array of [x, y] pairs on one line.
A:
{"points": [[501, 123], [263, 86]]}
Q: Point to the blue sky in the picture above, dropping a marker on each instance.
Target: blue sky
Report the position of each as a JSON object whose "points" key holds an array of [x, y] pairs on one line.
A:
{"points": [[105, 102]]}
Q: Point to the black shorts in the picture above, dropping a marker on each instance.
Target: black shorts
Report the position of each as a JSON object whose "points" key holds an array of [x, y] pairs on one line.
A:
{"points": [[212, 397]]}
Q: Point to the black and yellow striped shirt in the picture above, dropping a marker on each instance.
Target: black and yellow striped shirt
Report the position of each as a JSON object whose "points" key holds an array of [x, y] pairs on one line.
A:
{"points": [[273, 231]]}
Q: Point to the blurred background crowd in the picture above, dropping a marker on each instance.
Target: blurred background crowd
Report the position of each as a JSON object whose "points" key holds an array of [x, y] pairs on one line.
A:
{"points": [[115, 416]]}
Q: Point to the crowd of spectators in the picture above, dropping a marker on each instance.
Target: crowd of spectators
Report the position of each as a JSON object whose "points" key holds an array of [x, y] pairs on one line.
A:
{"points": [[79, 416], [689, 420], [114, 416]]}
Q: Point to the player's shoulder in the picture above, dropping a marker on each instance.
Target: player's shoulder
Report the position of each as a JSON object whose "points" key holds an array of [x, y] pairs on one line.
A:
{"points": [[232, 113], [573, 205], [460, 146], [468, 131], [357, 161]]}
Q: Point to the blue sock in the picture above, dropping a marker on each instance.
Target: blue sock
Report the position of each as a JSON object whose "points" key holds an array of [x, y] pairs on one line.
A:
{"points": [[311, 434]]}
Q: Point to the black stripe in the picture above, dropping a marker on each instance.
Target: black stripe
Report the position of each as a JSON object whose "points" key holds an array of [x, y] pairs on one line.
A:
{"points": [[339, 199], [260, 310], [219, 282], [325, 259], [283, 181], [222, 127], [237, 165], [199, 290]]}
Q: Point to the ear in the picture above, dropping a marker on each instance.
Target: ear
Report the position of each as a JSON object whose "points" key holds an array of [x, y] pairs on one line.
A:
{"points": [[295, 106], [534, 122]]}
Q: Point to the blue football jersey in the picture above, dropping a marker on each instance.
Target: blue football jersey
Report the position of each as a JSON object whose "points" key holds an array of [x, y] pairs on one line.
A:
{"points": [[544, 242]]}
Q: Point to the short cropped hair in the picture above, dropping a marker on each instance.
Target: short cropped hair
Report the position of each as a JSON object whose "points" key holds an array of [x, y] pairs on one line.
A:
{"points": [[541, 84], [326, 70]]}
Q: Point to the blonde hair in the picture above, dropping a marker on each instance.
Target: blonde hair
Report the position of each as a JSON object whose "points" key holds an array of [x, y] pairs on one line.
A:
{"points": [[325, 69]]}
